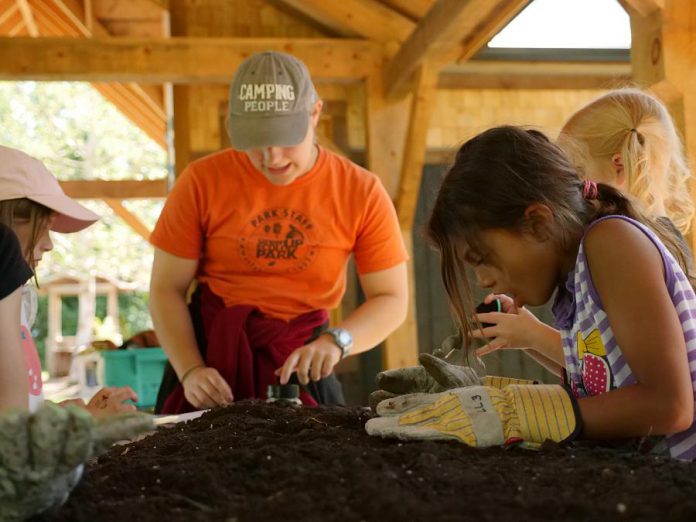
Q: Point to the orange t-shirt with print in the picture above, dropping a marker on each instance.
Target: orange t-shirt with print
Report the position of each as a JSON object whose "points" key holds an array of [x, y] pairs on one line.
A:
{"points": [[282, 249]]}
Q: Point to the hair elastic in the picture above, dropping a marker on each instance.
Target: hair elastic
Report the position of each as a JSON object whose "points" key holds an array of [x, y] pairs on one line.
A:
{"points": [[589, 189]]}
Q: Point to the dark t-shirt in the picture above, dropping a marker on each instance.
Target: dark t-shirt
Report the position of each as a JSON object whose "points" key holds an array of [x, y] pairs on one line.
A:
{"points": [[14, 270]]}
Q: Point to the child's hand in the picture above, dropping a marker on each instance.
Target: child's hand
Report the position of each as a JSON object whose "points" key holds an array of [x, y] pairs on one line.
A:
{"points": [[75, 402], [111, 401], [513, 328]]}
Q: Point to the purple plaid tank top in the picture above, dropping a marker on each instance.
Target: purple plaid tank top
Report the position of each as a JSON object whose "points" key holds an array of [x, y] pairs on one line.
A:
{"points": [[594, 361]]}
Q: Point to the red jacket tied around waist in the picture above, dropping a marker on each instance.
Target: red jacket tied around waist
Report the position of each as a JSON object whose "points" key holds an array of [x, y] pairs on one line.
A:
{"points": [[246, 348]]}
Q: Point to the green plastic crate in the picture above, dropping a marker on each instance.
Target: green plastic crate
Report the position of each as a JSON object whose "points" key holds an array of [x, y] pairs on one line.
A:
{"points": [[139, 368]]}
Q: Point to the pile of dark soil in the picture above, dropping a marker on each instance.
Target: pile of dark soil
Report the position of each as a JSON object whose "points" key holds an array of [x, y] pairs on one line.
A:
{"points": [[258, 462]]}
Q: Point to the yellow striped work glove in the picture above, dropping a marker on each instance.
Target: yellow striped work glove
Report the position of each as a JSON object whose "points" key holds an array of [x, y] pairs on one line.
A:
{"points": [[481, 416], [501, 382]]}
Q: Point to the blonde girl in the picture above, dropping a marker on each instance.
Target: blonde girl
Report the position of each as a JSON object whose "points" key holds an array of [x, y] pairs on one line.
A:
{"points": [[626, 138]]}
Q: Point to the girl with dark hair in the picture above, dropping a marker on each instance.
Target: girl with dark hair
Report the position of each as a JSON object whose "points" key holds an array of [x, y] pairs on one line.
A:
{"points": [[627, 139], [514, 210]]}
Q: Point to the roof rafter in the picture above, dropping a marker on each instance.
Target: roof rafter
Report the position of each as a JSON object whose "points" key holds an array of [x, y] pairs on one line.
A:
{"points": [[8, 13], [131, 219], [365, 18], [28, 17], [127, 9], [143, 105], [414, 9], [438, 38], [643, 7]]}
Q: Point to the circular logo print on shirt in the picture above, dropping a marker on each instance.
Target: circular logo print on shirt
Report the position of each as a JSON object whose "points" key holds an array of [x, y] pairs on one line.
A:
{"points": [[279, 240]]}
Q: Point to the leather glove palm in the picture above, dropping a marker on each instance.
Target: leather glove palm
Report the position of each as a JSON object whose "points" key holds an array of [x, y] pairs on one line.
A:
{"points": [[41, 454], [481, 416], [436, 373]]}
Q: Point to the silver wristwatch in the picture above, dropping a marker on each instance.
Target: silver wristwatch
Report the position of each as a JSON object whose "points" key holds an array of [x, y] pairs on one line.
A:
{"points": [[342, 339]]}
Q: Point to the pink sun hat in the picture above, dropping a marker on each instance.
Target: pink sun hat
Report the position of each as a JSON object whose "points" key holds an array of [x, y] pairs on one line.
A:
{"points": [[22, 176]]}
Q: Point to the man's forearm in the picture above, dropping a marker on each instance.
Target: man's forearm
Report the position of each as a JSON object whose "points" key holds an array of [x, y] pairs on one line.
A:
{"points": [[373, 321], [174, 328]]}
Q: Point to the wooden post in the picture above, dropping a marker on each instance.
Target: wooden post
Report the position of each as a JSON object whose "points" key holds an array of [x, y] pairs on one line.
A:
{"points": [[415, 145], [401, 348], [55, 328], [386, 122], [112, 308], [87, 307]]}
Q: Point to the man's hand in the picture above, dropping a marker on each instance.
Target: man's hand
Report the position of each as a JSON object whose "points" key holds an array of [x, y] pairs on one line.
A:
{"points": [[205, 388], [41, 454], [313, 361]]}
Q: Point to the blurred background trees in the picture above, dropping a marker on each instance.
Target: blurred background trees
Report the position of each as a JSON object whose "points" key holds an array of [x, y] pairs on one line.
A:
{"points": [[80, 135]]}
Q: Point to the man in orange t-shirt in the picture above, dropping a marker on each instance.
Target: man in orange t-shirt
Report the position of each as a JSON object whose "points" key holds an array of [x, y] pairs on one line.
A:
{"points": [[267, 228]]}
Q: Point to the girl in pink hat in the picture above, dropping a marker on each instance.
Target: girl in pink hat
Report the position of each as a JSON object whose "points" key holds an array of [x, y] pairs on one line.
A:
{"points": [[32, 204]]}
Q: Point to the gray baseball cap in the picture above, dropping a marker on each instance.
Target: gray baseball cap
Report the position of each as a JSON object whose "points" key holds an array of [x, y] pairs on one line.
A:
{"points": [[271, 98]]}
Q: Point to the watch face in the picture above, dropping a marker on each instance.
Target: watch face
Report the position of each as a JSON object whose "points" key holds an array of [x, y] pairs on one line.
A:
{"points": [[344, 338]]}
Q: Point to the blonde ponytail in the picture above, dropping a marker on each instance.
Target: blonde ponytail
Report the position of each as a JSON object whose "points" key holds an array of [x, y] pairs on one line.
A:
{"points": [[636, 125]]}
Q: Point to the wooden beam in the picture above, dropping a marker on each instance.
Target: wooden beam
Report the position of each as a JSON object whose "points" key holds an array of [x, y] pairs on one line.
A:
{"points": [[176, 60], [351, 18], [127, 9], [74, 11], [492, 16], [131, 219], [334, 91], [28, 17], [7, 13], [478, 74], [386, 121], [90, 18], [138, 107], [143, 105], [164, 4], [52, 22], [451, 28], [643, 7], [330, 144], [17, 29], [414, 149], [401, 347], [414, 9], [116, 189]]}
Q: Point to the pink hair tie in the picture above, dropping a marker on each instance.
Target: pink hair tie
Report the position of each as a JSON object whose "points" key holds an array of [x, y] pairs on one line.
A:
{"points": [[589, 189]]}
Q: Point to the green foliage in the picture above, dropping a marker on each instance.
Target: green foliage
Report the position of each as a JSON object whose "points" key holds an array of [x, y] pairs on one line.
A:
{"points": [[80, 135]]}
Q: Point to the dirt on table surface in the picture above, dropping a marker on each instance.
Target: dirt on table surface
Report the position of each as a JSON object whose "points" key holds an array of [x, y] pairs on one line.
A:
{"points": [[262, 462]]}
